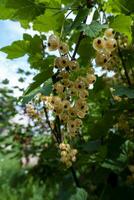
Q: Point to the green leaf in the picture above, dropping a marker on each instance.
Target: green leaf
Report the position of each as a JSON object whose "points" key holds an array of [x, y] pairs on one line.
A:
{"points": [[66, 1], [39, 79], [122, 23], [82, 13], [85, 51], [49, 21], [124, 91], [93, 29], [25, 9], [48, 1], [16, 49], [114, 166], [46, 90], [6, 13], [92, 146], [119, 6], [81, 194], [35, 43]]}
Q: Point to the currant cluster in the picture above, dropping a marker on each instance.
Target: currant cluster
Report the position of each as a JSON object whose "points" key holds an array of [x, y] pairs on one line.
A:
{"points": [[69, 99], [68, 155], [106, 47], [31, 111]]}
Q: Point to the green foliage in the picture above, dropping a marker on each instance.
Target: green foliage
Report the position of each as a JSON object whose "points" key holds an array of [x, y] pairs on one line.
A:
{"points": [[88, 52], [92, 30], [16, 49], [42, 22], [46, 90], [120, 6], [81, 194], [122, 23], [124, 91], [40, 78], [23, 11], [80, 17], [105, 142]]}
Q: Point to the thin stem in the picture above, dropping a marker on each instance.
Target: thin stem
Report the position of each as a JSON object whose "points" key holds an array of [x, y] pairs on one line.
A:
{"points": [[62, 29], [49, 124], [124, 66], [75, 176], [78, 42], [77, 45]]}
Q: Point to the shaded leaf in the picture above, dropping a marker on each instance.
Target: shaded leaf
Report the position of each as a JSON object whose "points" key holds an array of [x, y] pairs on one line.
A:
{"points": [[81, 194], [92, 30], [124, 91], [25, 9], [46, 90], [92, 146], [42, 23], [82, 13], [39, 79]]}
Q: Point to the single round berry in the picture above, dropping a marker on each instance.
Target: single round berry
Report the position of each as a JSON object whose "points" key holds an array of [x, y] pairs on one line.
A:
{"points": [[53, 43], [101, 59], [110, 44], [98, 44], [109, 33], [63, 48]]}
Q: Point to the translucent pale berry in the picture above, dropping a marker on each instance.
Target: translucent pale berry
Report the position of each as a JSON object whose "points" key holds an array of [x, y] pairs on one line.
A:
{"points": [[73, 65], [63, 48], [101, 59], [64, 62], [109, 33], [53, 43], [83, 94], [110, 44], [58, 87], [66, 104], [98, 44], [91, 78]]}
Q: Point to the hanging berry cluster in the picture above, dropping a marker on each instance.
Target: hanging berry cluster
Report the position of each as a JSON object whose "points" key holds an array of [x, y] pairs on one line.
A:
{"points": [[68, 155], [69, 99], [31, 111], [106, 47]]}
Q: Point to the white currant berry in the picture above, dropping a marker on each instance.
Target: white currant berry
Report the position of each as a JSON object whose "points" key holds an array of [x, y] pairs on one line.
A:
{"points": [[58, 87], [83, 94], [73, 159], [109, 33], [53, 43], [101, 59], [64, 62], [110, 44], [91, 78], [72, 112], [98, 44], [81, 114], [63, 48], [66, 104], [73, 65]]}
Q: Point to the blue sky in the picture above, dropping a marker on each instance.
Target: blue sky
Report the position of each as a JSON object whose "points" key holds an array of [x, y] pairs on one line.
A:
{"points": [[9, 32]]}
